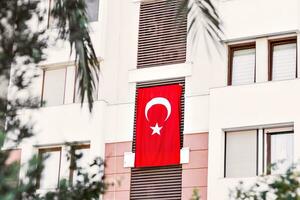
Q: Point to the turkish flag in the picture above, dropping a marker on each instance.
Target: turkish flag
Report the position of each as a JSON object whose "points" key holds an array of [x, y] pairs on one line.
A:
{"points": [[158, 126]]}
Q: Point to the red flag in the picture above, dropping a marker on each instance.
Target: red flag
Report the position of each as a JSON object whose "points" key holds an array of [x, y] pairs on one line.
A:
{"points": [[158, 126]]}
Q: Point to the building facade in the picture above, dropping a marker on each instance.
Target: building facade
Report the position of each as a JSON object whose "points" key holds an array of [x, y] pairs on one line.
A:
{"points": [[239, 105]]}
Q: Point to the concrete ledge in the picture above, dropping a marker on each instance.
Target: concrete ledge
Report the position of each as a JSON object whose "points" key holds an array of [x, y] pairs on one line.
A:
{"points": [[160, 72]]}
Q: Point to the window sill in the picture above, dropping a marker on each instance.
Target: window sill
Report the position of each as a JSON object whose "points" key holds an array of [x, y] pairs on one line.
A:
{"points": [[160, 72]]}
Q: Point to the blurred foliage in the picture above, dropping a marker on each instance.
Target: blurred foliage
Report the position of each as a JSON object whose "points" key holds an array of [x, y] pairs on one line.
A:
{"points": [[284, 186], [204, 16], [88, 187]]}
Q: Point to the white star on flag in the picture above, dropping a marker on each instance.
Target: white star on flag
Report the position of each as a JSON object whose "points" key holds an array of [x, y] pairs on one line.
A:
{"points": [[156, 129]]}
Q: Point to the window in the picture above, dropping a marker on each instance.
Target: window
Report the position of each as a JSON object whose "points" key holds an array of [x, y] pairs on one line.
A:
{"points": [[54, 86], [83, 152], [92, 10], [59, 86], [252, 152], [241, 64], [162, 33], [77, 98], [280, 145], [56, 160], [283, 59], [241, 154], [50, 176]]}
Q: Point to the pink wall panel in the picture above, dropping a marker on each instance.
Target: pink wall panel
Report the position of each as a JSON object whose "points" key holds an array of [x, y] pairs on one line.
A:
{"points": [[196, 141], [194, 177], [122, 147], [194, 174], [198, 159], [115, 173], [110, 149], [122, 182], [188, 192], [14, 156], [110, 167], [122, 195], [109, 195], [118, 195], [119, 165], [110, 180]]}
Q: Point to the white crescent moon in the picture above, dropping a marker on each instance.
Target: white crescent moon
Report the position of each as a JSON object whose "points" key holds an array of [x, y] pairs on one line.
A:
{"points": [[158, 100]]}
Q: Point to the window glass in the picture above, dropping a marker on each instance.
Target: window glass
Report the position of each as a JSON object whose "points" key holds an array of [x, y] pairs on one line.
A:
{"points": [[92, 10], [243, 66], [284, 61], [54, 87], [241, 154], [50, 175], [282, 152]]}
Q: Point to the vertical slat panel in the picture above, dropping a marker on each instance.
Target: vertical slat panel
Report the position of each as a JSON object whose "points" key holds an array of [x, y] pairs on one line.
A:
{"points": [[156, 183], [162, 33]]}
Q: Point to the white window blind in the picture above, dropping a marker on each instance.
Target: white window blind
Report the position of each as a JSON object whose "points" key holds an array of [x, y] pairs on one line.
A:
{"points": [[241, 154], [284, 62], [50, 175], [54, 87], [243, 66], [282, 152]]}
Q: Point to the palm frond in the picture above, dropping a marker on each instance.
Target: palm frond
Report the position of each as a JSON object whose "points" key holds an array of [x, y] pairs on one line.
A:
{"points": [[205, 14], [72, 23]]}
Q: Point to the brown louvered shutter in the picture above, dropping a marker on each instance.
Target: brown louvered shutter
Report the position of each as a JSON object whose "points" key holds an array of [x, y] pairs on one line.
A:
{"points": [[162, 33], [158, 182]]}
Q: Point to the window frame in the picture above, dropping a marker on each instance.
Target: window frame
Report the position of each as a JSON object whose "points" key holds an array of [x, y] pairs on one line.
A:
{"points": [[73, 97], [268, 143], [231, 50], [43, 150], [43, 84], [63, 150], [280, 41], [263, 146]]}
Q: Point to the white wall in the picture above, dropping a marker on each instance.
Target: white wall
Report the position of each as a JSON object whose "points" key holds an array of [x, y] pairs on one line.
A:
{"points": [[244, 18], [255, 106]]}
